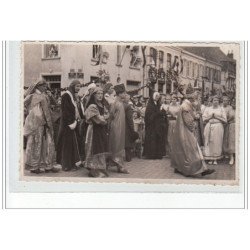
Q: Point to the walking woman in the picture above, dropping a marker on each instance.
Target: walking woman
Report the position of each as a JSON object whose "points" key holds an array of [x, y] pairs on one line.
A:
{"points": [[172, 113], [68, 153], [215, 118], [38, 129], [97, 134]]}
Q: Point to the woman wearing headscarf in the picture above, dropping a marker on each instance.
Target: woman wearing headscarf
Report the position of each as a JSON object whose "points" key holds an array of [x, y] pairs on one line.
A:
{"points": [[97, 134], [186, 155], [214, 117], [68, 153], [155, 129], [172, 113], [38, 129]]}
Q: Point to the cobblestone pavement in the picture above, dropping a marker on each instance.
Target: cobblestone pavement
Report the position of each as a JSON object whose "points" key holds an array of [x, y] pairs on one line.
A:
{"points": [[149, 169]]}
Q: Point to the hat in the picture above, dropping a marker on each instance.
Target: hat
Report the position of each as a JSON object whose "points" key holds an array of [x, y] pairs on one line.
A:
{"points": [[106, 87], [119, 88]]}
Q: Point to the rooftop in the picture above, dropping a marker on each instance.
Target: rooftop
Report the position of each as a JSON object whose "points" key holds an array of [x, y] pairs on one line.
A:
{"points": [[213, 54]]}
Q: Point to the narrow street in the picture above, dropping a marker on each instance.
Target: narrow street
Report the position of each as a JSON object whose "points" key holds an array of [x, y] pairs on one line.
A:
{"points": [[148, 169]]}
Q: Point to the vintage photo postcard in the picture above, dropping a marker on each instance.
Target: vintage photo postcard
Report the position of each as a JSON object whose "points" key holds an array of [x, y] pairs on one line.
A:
{"points": [[129, 113]]}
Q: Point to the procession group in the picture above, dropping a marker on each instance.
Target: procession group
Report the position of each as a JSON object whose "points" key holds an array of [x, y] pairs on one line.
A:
{"points": [[106, 127]]}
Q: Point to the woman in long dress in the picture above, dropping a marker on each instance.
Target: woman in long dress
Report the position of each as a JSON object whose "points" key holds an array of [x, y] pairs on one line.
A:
{"points": [[186, 155], [230, 134], [228, 110], [68, 153], [97, 134], [172, 114], [38, 129], [215, 118]]}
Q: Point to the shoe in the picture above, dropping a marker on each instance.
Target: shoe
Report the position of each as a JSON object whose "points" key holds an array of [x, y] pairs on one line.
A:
{"points": [[37, 171], [177, 171], [231, 162], [215, 163], [93, 173], [123, 171], [210, 163], [55, 170], [104, 172], [207, 172]]}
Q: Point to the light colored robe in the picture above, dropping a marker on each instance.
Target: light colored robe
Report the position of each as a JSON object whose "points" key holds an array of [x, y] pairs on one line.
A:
{"points": [[117, 132]]}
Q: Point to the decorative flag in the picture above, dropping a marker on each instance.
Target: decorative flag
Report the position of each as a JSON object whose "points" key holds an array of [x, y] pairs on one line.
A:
{"points": [[173, 66], [100, 57], [181, 65], [143, 48]]}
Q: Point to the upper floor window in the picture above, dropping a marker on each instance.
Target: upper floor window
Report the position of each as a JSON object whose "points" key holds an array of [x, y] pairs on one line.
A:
{"points": [[119, 54], [96, 50], [51, 50], [161, 59], [153, 56], [188, 69], [169, 60], [135, 60]]}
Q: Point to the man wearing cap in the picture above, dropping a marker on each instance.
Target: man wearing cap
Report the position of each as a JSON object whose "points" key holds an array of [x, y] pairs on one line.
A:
{"points": [[117, 129]]}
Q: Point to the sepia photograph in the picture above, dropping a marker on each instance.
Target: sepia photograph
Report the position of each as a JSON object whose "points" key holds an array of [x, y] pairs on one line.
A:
{"points": [[134, 112]]}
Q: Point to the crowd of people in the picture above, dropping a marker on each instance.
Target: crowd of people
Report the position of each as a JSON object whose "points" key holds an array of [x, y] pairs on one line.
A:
{"points": [[106, 127]]}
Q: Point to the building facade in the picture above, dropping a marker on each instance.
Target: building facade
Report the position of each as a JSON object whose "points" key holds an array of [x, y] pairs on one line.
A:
{"points": [[134, 65]]}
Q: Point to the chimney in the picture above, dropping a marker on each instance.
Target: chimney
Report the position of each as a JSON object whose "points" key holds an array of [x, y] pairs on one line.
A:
{"points": [[230, 54]]}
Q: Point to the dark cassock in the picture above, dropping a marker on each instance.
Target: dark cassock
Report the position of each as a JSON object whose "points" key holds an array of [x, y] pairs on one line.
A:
{"points": [[68, 153], [155, 129]]}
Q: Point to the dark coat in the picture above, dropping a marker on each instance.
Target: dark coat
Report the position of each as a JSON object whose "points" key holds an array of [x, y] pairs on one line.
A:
{"points": [[155, 131], [130, 134], [68, 140]]}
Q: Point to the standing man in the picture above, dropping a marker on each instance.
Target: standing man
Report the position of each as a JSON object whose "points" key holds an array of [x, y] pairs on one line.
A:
{"points": [[117, 129]]}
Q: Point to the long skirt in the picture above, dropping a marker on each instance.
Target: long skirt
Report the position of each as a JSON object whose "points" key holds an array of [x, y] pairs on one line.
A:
{"points": [[171, 128], [40, 150], [213, 134], [229, 139], [186, 154], [68, 154], [94, 160]]}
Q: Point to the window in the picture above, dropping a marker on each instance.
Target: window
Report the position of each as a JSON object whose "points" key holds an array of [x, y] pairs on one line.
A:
{"points": [[135, 60], [188, 65], [96, 50], [54, 81], [161, 59], [193, 66], [119, 54], [169, 59], [133, 86], [51, 51], [198, 70], [201, 71], [153, 56]]}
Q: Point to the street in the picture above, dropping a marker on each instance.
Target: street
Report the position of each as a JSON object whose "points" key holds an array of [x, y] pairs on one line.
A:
{"points": [[148, 169]]}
